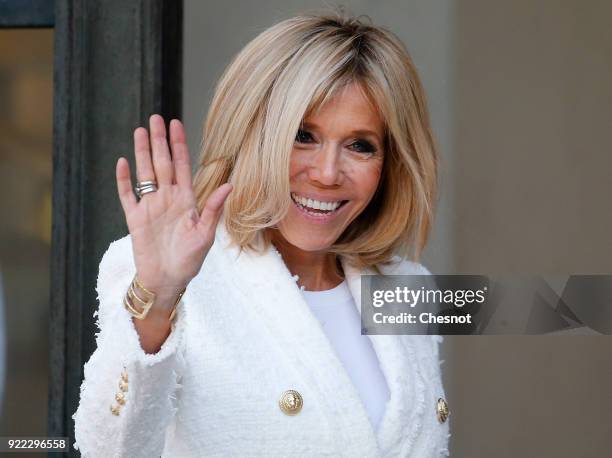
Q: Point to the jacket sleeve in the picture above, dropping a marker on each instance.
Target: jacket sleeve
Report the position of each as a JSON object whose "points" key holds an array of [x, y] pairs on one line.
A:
{"points": [[141, 388]]}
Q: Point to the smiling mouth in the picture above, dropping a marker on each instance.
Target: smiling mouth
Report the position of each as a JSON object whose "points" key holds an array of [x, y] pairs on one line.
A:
{"points": [[315, 207]]}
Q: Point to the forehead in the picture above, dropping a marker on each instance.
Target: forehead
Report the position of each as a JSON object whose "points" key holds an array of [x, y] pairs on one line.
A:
{"points": [[347, 107]]}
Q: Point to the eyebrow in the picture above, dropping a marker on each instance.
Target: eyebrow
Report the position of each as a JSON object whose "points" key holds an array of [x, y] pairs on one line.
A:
{"points": [[310, 125]]}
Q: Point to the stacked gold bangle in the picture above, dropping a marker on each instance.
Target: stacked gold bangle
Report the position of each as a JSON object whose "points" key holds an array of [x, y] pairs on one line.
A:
{"points": [[146, 303]]}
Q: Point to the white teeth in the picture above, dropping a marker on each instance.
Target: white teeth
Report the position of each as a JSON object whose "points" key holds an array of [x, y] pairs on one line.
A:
{"points": [[316, 204]]}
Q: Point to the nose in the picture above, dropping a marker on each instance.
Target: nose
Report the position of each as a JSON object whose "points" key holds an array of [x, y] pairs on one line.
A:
{"points": [[326, 167]]}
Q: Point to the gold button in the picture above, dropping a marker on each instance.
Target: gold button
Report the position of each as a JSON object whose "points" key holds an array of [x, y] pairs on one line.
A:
{"points": [[291, 402], [124, 376], [123, 386], [442, 410], [120, 398], [115, 410]]}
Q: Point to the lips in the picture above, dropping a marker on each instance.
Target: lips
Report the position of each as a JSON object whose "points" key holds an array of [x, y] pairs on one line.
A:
{"points": [[317, 207]]}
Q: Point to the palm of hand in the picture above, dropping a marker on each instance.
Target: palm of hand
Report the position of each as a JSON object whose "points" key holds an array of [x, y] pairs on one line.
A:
{"points": [[169, 239]]}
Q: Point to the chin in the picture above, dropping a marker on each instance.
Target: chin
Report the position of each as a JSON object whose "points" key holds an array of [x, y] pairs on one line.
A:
{"points": [[307, 242]]}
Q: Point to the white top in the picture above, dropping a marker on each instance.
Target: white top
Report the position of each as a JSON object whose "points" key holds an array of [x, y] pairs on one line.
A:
{"points": [[335, 309]]}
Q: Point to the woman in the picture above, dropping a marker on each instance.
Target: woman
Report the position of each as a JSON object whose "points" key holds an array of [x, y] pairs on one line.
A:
{"points": [[320, 126]]}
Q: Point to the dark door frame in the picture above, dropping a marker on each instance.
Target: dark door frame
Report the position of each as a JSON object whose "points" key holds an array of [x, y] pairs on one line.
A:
{"points": [[116, 62]]}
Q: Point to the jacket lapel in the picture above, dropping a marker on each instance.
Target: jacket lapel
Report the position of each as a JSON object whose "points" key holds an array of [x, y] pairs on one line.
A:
{"points": [[400, 423], [283, 309]]}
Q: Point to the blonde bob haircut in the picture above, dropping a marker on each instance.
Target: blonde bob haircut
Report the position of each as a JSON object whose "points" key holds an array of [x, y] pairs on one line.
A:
{"points": [[284, 75]]}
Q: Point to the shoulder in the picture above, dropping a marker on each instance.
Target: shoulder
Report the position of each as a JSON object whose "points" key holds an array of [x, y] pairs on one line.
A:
{"points": [[118, 250], [426, 345], [402, 266], [119, 245], [117, 260]]}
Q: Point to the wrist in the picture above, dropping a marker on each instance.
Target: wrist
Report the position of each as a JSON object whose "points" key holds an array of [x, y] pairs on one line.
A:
{"points": [[160, 288], [156, 318], [143, 302]]}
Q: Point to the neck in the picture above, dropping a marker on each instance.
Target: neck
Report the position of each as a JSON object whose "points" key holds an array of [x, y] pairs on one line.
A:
{"points": [[317, 270]]}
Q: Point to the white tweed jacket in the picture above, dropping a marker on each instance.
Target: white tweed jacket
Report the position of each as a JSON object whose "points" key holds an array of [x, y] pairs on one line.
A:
{"points": [[243, 336]]}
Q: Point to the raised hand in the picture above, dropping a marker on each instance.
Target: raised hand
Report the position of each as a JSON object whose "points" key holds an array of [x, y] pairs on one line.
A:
{"points": [[169, 238]]}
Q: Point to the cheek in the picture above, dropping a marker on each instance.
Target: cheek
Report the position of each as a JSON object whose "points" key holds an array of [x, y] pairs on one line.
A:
{"points": [[297, 164], [367, 176]]}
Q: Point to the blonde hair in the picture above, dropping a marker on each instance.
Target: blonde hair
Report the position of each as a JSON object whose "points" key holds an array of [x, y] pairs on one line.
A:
{"points": [[277, 80]]}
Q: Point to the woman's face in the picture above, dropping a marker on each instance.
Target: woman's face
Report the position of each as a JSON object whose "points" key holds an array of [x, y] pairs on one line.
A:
{"points": [[335, 168]]}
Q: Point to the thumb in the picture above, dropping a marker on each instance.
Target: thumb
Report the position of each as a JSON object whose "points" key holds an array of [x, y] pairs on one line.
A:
{"points": [[212, 209]]}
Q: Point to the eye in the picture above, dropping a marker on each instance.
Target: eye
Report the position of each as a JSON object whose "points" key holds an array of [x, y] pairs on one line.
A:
{"points": [[363, 146], [303, 136]]}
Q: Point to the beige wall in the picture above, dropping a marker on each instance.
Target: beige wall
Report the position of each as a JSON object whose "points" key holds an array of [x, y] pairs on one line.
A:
{"points": [[521, 104], [532, 116], [532, 113]]}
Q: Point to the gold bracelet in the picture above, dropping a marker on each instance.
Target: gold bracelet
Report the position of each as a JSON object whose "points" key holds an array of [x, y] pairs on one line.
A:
{"points": [[147, 303], [178, 299]]}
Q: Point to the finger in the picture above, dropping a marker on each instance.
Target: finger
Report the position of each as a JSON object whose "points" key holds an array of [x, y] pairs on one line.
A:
{"points": [[124, 185], [212, 209], [180, 154], [161, 153], [142, 152]]}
